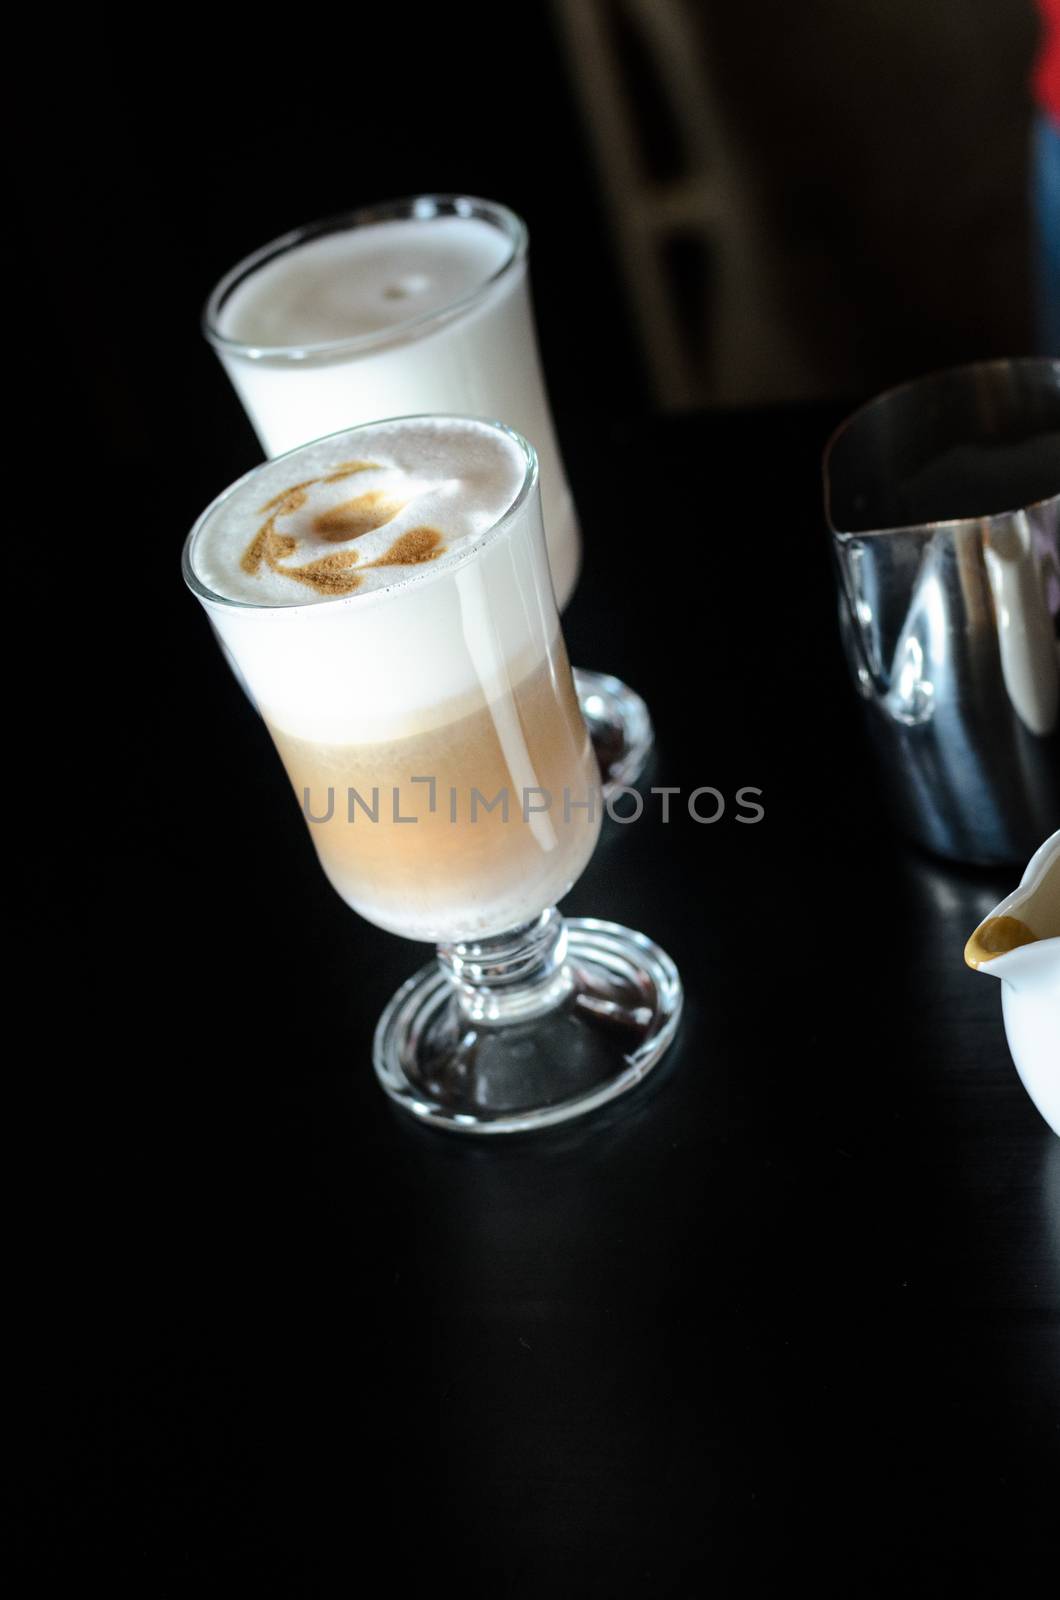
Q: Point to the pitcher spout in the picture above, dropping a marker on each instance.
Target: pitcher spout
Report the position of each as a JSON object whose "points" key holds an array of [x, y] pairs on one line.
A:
{"points": [[1019, 941]]}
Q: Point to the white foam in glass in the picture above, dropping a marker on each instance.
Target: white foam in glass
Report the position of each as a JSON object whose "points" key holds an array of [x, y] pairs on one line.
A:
{"points": [[382, 315]]}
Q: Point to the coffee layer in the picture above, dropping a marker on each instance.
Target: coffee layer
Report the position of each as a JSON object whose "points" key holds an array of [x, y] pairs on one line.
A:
{"points": [[451, 868]]}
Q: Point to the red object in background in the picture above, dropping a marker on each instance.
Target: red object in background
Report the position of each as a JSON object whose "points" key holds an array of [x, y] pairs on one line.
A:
{"points": [[1046, 80]]}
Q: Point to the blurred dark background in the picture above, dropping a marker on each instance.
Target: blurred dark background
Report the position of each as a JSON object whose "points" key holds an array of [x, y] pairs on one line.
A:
{"points": [[728, 204], [731, 207]]}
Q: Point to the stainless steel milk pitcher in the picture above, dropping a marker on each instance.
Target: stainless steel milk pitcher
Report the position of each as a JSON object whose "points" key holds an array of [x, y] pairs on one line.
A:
{"points": [[943, 497]]}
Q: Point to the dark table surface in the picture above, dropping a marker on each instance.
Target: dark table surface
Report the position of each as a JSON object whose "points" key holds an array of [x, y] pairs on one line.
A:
{"points": [[790, 1310]]}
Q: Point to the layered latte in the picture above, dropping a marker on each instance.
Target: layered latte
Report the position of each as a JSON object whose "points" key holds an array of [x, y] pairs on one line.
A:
{"points": [[385, 595]]}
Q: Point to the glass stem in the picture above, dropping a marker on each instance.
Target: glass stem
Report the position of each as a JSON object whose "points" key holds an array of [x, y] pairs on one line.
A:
{"points": [[513, 976]]}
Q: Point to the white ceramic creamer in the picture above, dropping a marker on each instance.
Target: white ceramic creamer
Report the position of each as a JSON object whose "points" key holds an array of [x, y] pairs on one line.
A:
{"points": [[1019, 942]]}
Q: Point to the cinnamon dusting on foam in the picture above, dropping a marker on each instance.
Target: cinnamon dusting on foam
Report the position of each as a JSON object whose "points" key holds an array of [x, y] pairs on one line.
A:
{"points": [[332, 575], [346, 469], [412, 548], [355, 517], [320, 526], [289, 499]]}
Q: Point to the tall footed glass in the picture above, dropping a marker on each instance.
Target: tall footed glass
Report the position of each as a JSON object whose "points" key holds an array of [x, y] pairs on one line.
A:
{"points": [[413, 305], [421, 700]]}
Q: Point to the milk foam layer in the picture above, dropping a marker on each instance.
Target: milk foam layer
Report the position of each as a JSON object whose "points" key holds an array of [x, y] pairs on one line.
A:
{"points": [[363, 280], [358, 512], [482, 361], [417, 646]]}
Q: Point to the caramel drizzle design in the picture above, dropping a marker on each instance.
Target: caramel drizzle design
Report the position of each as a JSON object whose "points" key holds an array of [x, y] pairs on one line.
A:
{"points": [[333, 575]]}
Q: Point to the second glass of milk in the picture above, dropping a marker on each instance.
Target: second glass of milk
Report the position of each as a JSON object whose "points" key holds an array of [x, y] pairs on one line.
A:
{"points": [[418, 305]]}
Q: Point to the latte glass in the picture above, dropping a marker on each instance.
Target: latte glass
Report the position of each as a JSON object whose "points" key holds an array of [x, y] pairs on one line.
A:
{"points": [[273, 319], [431, 732]]}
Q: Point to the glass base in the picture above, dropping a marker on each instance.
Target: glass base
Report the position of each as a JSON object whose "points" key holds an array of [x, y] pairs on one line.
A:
{"points": [[619, 726], [463, 1048]]}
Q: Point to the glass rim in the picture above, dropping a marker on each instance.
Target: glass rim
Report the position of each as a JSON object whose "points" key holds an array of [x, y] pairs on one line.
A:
{"points": [[923, 383], [460, 558], [422, 207]]}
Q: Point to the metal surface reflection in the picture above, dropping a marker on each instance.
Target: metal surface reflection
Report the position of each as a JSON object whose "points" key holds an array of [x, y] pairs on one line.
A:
{"points": [[943, 498]]}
